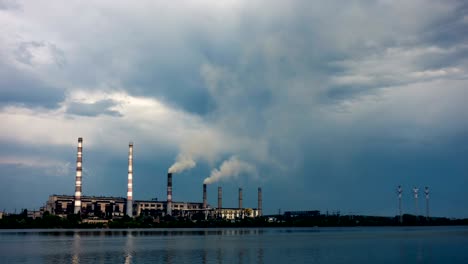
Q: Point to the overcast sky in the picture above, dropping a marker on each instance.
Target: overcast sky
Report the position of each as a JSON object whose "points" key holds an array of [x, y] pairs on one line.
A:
{"points": [[327, 105]]}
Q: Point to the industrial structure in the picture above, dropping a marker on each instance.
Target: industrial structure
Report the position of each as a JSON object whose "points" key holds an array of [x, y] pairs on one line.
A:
{"points": [[415, 193], [112, 207], [400, 191], [99, 206], [79, 170], [169, 193], [240, 198], [130, 181], [416, 205], [426, 192]]}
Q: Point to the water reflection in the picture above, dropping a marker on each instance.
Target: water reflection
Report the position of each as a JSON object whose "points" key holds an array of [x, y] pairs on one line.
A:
{"points": [[219, 255], [204, 256], [169, 253], [128, 248], [260, 255], [137, 232], [76, 249], [234, 246]]}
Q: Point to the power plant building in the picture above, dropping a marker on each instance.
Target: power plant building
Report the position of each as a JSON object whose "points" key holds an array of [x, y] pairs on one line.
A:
{"points": [[116, 207], [98, 206]]}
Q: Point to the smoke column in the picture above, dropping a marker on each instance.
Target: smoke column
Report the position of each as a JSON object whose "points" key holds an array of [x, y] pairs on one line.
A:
{"points": [[230, 168], [130, 181], [79, 171], [183, 162]]}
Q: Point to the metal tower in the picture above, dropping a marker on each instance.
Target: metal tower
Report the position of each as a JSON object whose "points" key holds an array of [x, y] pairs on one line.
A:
{"points": [[415, 192], [426, 191], [400, 191]]}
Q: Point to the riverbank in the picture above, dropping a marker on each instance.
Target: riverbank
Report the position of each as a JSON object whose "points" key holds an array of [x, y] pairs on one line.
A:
{"points": [[18, 221]]}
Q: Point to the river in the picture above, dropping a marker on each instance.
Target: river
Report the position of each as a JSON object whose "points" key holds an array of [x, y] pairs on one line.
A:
{"points": [[237, 245]]}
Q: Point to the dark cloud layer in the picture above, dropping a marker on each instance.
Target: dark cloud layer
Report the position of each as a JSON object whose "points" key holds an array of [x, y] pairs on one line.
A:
{"points": [[22, 88], [334, 103], [8, 4]]}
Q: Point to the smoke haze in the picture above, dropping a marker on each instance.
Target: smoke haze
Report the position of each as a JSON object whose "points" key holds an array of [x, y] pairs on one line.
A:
{"points": [[230, 168], [183, 162]]}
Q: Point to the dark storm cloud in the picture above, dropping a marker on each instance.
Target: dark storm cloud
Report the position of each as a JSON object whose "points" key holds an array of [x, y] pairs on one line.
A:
{"points": [[449, 29], [102, 107], [22, 88], [178, 86], [9, 4], [335, 103]]}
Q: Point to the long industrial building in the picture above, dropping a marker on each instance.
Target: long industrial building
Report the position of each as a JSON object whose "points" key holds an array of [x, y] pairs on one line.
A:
{"points": [[115, 207]]}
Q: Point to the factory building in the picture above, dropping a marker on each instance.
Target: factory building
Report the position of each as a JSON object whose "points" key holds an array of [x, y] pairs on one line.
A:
{"points": [[98, 206], [112, 207], [159, 208]]}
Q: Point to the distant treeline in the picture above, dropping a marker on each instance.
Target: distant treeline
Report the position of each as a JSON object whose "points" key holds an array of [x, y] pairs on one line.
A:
{"points": [[361, 220], [74, 221]]}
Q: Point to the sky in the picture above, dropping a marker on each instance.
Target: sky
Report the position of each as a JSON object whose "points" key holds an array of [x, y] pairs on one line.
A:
{"points": [[326, 105]]}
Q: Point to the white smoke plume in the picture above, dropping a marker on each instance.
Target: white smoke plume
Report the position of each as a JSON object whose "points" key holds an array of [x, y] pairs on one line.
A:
{"points": [[183, 162], [230, 168]]}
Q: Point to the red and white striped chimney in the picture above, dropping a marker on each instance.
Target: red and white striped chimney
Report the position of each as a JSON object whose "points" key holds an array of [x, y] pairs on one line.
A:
{"points": [[169, 193], [130, 181], [79, 171]]}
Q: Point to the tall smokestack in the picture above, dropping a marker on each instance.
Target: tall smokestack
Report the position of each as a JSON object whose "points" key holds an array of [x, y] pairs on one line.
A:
{"points": [[130, 181], [240, 198], [204, 196], [79, 171], [169, 193], [260, 201], [220, 197]]}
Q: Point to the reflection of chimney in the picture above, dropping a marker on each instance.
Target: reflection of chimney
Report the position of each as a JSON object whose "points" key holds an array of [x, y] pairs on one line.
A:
{"points": [[220, 197], [79, 170], [169, 193], [240, 198], [204, 196], [130, 181], [259, 201]]}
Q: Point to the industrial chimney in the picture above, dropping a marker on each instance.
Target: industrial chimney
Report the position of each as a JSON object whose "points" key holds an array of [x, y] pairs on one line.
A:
{"points": [[79, 170], [169, 193], [259, 201], [240, 198], [220, 197], [130, 181], [204, 196]]}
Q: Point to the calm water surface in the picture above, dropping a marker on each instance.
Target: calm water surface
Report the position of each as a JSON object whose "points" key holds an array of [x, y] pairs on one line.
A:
{"points": [[249, 245]]}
